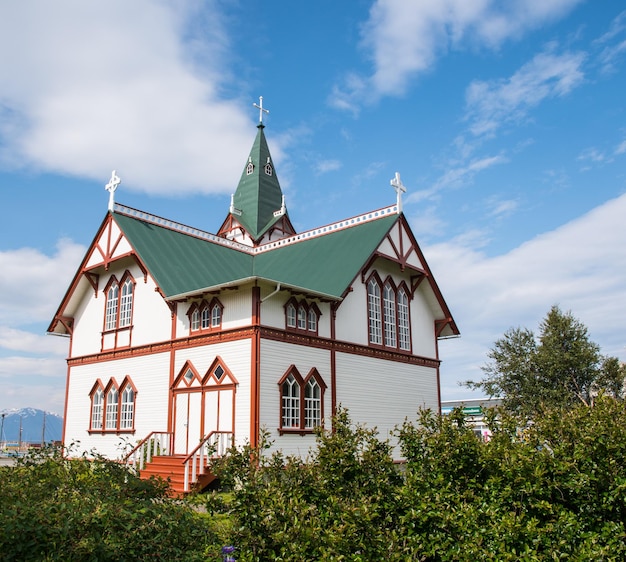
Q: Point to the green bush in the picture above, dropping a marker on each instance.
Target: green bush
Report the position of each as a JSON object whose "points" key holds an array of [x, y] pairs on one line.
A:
{"points": [[57, 508], [553, 490]]}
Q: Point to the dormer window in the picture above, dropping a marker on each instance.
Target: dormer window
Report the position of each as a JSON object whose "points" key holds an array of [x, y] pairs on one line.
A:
{"points": [[268, 167], [301, 316], [249, 167], [205, 316]]}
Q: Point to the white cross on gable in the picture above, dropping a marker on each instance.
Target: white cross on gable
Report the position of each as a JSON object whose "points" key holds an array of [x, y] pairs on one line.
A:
{"points": [[397, 184], [111, 187], [261, 109]]}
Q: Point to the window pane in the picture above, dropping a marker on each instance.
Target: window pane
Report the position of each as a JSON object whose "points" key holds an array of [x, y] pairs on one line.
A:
{"points": [[126, 307], [390, 315], [301, 318], [205, 318], [216, 317], [312, 321], [195, 319], [96, 410], [128, 408], [403, 320], [291, 316], [111, 415], [111, 307], [291, 403], [374, 312], [312, 405]]}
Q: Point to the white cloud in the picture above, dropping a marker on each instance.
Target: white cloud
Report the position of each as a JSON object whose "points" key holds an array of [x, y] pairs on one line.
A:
{"points": [[621, 148], [325, 166], [30, 342], [491, 104], [25, 274], [89, 87], [404, 38], [581, 266]]}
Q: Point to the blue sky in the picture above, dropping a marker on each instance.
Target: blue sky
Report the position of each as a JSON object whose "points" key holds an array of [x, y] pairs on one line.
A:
{"points": [[505, 119]]}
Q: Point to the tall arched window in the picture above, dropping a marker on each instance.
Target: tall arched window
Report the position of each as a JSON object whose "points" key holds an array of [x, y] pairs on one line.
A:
{"points": [[302, 401], [389, 301], [112, 301], [404, 329], [374, 312], [126, 305], [290, 403], [97, 401], [112, 403], [128, 407]]}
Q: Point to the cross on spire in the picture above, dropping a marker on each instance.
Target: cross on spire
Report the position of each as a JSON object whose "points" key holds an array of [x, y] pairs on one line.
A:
{"points": [[261, 109], [397, 184], [111, 187]]}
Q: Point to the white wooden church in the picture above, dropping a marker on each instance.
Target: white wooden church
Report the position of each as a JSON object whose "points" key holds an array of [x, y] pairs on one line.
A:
{"points": [[180, 337]]}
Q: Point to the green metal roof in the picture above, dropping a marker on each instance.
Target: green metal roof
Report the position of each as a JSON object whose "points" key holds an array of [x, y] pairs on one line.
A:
{"points": [[258, 194], [324, 264]]}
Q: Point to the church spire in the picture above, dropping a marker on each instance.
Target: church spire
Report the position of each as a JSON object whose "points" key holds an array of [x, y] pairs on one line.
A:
{"points": [[258, 204]]}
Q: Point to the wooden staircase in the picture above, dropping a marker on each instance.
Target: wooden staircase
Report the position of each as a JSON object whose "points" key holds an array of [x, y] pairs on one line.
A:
{"points": [[172, 469], [185, 473]]}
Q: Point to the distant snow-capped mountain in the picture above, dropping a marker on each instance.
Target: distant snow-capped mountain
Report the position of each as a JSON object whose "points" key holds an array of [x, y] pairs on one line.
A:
{"points": [[34, 424]]}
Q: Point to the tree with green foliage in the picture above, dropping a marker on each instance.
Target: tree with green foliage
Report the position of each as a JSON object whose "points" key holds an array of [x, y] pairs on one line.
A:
{"points": [[553, 490], [559, 368], [58, 508]]}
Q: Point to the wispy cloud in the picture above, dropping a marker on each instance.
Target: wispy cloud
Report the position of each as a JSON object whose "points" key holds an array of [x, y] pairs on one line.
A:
{"points": [[613, 44], [581, 266], [325, 166], [85, 90], [404, 38], [490, 104]]}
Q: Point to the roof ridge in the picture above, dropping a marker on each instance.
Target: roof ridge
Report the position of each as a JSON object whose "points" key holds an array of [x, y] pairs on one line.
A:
{"points": [[253, 250]]}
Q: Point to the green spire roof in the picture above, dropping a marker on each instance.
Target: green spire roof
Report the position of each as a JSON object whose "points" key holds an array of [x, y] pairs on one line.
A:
{"points": [[258, 194]]}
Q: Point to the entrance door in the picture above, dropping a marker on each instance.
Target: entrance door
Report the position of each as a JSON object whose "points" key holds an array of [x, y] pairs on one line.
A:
{"points": [[187, 406]]}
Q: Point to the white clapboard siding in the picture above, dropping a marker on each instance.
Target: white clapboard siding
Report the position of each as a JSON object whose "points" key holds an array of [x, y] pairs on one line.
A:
{"points": [[149, 374], [276, 358], [381, 393]]}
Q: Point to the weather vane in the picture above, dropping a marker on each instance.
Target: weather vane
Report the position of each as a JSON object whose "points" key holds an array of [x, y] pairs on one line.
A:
{"points": [[261, 109], [397, 184], [111, 187]]}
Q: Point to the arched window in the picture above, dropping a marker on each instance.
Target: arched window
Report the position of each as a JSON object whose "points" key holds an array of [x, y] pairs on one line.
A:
{"points": [[119, 303], [389, 301], [195, 319], [404, 329], [112, 403], [312, 320], [97, 401], [388, 312], [291, 315], [112, 301], [302, 401], [312, 404], [128, 407], [302, 314], [374, 312], [290, 403], [205, 317], [126, 305]]}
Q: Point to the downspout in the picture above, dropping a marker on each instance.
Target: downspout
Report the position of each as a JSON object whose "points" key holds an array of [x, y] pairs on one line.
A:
{"points": [[277, 290]]}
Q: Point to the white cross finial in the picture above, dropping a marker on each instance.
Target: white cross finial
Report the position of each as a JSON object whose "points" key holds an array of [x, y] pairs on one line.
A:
{"points": [[261, 109], [111, 187], [397, 184]]}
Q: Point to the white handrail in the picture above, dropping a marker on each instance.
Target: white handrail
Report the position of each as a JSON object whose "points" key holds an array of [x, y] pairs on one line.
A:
{"points": [[156, 443], [213, 446]]}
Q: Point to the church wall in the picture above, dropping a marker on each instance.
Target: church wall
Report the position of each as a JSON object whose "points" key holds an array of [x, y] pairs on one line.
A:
{"points": [[276, 358], [422, 325], [351, 321], [150, 376], [382, 393]]}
